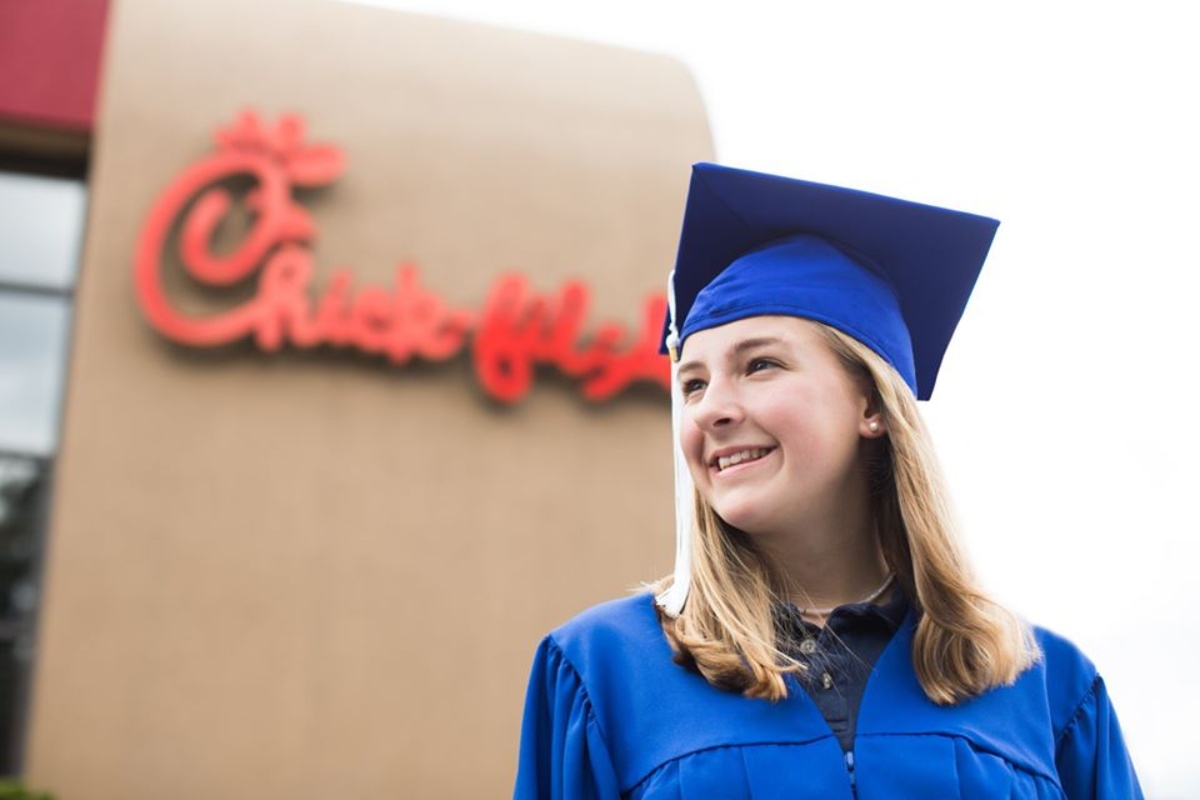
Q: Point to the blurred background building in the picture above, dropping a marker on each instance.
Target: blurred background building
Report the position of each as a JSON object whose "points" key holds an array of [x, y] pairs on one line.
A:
{"points": [[290, 570], [49, 66]]}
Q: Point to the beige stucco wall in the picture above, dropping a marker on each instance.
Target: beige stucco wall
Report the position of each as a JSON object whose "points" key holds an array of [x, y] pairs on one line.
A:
{"points": [[314, 575]]}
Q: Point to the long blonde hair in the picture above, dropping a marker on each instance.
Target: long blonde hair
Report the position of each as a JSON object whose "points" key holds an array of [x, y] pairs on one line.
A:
{"points": [[965, 643]]}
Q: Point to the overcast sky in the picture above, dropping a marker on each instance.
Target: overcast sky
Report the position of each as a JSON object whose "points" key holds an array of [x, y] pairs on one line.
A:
{"points": [[1064, 411]]}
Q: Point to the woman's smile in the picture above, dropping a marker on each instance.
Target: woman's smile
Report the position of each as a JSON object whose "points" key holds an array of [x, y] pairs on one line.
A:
{"points": [[729, 459]]}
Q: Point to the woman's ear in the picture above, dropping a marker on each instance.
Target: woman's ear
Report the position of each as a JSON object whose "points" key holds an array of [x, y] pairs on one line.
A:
{"points": [[873, 425]]}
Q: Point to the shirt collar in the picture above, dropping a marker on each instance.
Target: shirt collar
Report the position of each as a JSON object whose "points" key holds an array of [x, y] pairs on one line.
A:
{"points": [[891, 613]]}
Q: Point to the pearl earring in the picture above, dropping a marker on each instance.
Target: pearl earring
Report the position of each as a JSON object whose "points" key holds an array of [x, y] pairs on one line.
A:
{"points": [[873, 426]]}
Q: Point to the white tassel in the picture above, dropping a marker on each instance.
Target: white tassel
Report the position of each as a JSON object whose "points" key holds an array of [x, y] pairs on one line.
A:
{"points": [[672, 600]]}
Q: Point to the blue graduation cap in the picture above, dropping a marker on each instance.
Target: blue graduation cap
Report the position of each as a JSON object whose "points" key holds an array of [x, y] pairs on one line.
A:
{"points": [[893, 274]]}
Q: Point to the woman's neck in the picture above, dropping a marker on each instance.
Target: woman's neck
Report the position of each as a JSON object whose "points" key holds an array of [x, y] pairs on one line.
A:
{"points": [[832, 561]]}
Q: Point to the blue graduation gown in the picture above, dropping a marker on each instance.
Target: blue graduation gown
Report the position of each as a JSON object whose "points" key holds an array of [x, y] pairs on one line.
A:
{"points": [[609, 715]]}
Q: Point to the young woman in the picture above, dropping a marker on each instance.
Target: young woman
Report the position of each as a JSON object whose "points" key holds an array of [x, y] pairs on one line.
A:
{"points": [[822, 635]]}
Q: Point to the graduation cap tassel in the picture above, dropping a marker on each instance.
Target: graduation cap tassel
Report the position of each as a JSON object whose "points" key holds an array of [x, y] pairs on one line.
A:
{"points": [[672, 600]]}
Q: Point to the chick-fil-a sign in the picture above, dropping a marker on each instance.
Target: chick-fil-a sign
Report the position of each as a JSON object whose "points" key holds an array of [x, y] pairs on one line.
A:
{"points": [[516, 330]]}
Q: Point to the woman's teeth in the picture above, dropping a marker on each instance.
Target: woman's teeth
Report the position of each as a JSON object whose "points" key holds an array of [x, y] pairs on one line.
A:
{"points": [[724, 462]]}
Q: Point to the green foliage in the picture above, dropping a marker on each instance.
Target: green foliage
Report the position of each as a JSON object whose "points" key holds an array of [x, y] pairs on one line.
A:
{"points": [[13, 789]]}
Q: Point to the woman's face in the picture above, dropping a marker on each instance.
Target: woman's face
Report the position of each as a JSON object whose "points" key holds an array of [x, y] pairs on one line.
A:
{"points": [[772, 424]]}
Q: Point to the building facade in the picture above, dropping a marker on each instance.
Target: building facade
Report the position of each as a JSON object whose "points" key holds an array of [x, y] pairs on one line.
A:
{"points": [[359, 395]]}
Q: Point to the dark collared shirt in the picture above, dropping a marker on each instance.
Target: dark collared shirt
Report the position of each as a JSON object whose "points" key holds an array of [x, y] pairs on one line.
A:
{"points": [[840, 656]]}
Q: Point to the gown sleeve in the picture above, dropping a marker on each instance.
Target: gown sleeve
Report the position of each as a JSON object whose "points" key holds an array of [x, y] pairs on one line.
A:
{"points": [[1092, 761], [563, 754]]}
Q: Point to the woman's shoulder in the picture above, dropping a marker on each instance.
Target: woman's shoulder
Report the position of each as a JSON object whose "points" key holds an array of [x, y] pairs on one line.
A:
{"points": [[610, 631], [1090, 752], [1060, 652], [1062, 658], [1066, 675], [650, 712]]}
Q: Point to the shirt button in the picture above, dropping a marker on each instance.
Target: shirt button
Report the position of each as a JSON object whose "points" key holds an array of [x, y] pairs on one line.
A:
{"points": [[827, 680], [808, 647]]}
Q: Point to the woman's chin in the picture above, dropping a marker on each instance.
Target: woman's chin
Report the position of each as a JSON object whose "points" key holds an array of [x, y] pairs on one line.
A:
{"points": [[747, 520]]}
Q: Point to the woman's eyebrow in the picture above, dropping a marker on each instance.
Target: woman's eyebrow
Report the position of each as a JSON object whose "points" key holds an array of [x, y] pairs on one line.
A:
{"points": [[735, 351], [753, 344]]}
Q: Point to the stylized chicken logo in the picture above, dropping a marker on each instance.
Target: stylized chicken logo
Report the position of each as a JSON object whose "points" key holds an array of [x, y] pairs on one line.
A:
{"points": [[277, 160]]}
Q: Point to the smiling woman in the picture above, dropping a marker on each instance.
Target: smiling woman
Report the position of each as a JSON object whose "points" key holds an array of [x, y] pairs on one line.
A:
{"points": [[822, 634], [849, 497], [774, 427]]}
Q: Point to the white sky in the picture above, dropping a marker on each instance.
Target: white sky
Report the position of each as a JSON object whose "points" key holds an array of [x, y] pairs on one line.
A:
{"points": [[1063, 412]]}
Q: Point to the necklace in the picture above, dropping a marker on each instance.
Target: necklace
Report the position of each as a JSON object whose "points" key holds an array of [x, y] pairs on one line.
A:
{"points": [[825, 612]]}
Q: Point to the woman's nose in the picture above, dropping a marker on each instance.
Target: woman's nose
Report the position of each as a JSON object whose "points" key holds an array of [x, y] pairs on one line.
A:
{"points": [[719, 407]]}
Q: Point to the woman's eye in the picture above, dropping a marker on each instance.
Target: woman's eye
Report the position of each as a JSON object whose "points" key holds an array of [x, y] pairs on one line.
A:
{"points": [[759, 364], [691, 386]]}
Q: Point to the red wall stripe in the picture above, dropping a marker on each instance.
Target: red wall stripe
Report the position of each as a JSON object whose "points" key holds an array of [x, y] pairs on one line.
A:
{"points": [[50, 54]]}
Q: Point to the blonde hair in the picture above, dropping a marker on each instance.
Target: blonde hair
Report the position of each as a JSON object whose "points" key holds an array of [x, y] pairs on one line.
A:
{"points": [[965, 643]]}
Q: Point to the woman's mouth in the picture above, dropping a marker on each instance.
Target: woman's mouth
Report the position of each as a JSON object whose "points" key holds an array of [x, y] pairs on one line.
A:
{"points": [[728, 460]]}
